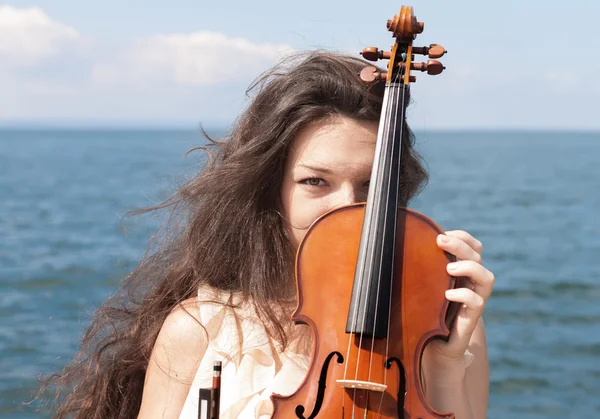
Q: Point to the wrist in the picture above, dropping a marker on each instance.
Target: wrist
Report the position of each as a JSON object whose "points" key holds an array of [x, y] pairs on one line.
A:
{"points": [[439, 370]]}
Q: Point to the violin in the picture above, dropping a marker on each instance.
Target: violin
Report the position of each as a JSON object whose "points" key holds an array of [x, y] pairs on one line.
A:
{"points": [[370, 276]]}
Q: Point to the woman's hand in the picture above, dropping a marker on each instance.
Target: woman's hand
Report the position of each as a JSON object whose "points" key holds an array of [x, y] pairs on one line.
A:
{"points": [[473, 296]]}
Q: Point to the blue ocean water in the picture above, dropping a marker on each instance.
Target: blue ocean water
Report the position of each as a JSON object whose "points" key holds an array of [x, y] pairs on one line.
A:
{"points": [[532, 198]]}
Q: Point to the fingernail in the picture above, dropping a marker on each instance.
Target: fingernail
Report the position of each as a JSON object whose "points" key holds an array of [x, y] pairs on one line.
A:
{"points": [[452, 266], [443, 238]]}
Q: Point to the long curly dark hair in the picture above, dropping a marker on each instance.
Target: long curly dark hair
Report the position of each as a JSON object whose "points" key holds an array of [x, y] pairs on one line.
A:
{"points": [[225, 231]]}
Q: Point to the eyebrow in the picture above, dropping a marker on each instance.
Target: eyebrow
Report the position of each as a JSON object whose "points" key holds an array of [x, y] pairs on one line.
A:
{"points": [[316, 168]]}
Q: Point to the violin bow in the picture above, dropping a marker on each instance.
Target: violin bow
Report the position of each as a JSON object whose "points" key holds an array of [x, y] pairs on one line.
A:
{"points": [[211, 397]]}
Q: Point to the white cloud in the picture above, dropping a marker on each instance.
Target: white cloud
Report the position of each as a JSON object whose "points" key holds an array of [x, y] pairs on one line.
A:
{"points": [[52, 71], [49, 70], [199, 58], [29, 36]]}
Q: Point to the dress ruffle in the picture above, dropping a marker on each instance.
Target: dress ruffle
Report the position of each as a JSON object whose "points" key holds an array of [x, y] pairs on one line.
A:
{"points": [[253, 366]]}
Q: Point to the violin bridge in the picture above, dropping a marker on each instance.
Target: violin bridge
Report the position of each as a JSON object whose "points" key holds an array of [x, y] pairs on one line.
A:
{"points": [[363, 385]]}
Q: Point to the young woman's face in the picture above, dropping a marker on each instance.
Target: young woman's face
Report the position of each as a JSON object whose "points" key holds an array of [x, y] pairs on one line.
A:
{"points": [[329, 166]]}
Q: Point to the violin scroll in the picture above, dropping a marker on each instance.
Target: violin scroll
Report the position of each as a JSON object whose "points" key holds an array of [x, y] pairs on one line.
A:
{"points": [[404, 27]]}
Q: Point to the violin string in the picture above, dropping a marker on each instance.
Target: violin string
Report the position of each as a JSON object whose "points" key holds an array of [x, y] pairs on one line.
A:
{"points": [[402, 372], [364, 252], [403, 91], [394, 114], [400, 96], [398, 89], [372, 224], [372, 231], [377, 251]]}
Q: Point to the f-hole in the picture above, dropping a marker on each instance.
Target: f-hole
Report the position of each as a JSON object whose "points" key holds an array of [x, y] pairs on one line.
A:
{"points": [[402, 386], [322, 384]]}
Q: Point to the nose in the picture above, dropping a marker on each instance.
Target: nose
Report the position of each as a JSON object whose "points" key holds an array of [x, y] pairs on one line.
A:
{"points": [[349, 194]]}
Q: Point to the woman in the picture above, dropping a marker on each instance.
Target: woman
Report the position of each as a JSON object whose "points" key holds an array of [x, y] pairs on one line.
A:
{"points": [[222, 285]]}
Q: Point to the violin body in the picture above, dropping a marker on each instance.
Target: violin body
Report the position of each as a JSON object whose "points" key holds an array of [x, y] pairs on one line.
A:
{"points": [[380, 378]]}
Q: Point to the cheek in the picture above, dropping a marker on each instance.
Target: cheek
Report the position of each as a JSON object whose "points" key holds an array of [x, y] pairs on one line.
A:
{"points": [[304, 211], [300, 211]]}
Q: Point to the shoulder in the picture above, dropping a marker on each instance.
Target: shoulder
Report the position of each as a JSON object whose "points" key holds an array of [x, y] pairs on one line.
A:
{"points": [[182, 333], [176, 356]]}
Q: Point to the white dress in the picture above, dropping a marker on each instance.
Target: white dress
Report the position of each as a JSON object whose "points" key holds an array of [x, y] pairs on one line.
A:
{"points": [[254, 367]]}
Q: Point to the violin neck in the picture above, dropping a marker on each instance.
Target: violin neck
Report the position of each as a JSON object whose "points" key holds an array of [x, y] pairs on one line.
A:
{"points": [[369, 306]]}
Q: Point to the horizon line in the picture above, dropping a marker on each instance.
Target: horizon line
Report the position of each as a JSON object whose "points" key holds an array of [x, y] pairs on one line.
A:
{"points": [[223, 126]]}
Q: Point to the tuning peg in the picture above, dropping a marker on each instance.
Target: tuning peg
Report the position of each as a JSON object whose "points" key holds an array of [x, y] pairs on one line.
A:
{"points": [[370, 74], [432, 51], [374, 54], [433, 67]]}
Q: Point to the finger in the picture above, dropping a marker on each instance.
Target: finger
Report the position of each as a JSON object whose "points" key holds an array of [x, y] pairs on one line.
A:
{"points": [[458, 248], [467, 238], [469, 298], [467, 318], [482, 279]]}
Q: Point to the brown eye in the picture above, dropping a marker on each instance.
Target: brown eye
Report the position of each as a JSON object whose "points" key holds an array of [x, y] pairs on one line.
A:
{"points": [[313, 181]]}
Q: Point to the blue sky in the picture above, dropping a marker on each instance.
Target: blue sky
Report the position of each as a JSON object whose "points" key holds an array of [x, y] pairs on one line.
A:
{"points": [[511, 65]]}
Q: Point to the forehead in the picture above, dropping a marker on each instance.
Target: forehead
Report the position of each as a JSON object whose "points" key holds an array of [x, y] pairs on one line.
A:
{"points": [[336, 142]]}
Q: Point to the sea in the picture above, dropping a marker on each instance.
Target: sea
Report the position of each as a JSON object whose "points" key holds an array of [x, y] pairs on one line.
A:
{"points": [[532, 198]]}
